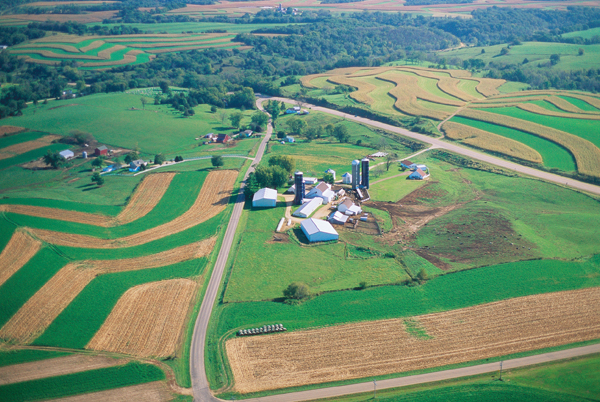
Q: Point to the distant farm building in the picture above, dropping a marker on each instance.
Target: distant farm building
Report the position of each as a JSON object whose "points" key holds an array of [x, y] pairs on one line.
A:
{"points": [[265, 198], [290, 139], [136, 165], [378, 155], [332, 172], [347, 178], [247, 133], [323, 191], [210, 136], [338, 218], [112, 168], [422, 167], [308, 208], [66, 154], [349, 208], [319, 230], [310, 180], [407, 164], [223, 138], [418, 175], [101, 151]]}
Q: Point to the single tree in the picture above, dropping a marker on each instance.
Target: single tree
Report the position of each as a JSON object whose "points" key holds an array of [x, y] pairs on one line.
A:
{"points": [[98, 162], [280, 176], [389, 159], [164, 87], [81, 137], [236, 119], [280, 135], [131, 156], [159, 159], [144, 101], [157, 99], [260, 119], [98, 179], [329, 129], [217, 161], [580, 52], [422, 275], [285, 161], [328, 178], [222, 115], [383, 144], [341, 133], [213, 109], [296, 125], [504, 51], [53, 159], [554, 59], [297, 291]]}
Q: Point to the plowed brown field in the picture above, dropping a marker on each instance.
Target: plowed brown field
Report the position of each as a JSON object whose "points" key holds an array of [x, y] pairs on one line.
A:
{"points": [[144, 199], [148, 319], [155, 391], [384, 347], [48, 302], [55, 367], [27, 146], [212, 199], [4, 130], [20, 248]]}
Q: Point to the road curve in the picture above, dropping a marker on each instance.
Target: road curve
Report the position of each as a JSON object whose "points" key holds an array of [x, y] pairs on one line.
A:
{"points": [[200, 385], [438, 143]]}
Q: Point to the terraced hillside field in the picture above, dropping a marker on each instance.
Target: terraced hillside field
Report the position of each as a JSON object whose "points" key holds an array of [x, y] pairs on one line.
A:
{"points": [[101, 52], [548, 129]]}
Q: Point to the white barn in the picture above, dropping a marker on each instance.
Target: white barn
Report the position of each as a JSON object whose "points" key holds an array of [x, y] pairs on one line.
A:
{"points": [[67, 154], [308, 208], [323, 191], [265, 198], [338, 218], [319, 230], [349, 208]]}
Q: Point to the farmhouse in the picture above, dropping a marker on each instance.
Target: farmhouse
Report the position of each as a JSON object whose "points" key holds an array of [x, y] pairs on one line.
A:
{"points": [[135, 165], [418, 175], [338, 218], [101, 151], [332, 172], [265, 198], [67, 154], [247, 133], [319, 230], [347, 178], [407, 164], [322, 190], [290, 139], [223, 138], [112, 168], [307, 208], [349, 208]]}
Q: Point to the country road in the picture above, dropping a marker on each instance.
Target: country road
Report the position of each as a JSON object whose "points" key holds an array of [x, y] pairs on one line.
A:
{"points": [[200, 384]]}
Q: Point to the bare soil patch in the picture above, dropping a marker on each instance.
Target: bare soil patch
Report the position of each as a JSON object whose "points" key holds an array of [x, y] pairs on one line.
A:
{"points": [[385, 347], [148, 319], [212, 199], [55, 367], [47, 303], [155, 391], [9, 130], [20, 248], [27, 146]]}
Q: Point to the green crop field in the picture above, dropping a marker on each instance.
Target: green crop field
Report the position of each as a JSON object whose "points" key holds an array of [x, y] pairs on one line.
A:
{"points": [[393, 189], [10, 357], [79, 383], [583, 105], [553, 155], [587, 34]]}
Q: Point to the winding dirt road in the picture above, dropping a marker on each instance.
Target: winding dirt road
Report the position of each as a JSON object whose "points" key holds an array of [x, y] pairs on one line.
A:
{"points": [[200, 384]]}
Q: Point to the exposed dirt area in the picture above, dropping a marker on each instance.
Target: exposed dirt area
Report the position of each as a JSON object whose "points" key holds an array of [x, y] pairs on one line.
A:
{"points": [[27, 146], [55, 367], [384, 347], [20, 248], [148, 320], [150, 392], [9, 130], [47, 303], [279, 237], [213, 199]]}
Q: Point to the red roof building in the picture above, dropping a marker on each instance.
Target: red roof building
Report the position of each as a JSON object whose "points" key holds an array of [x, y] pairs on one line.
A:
{"points": [[102, 150], [222, 138]]}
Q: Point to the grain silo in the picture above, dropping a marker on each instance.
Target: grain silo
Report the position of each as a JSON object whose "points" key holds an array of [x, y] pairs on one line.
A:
{"points": [[299, 188], [365, 173], [355, 174]]}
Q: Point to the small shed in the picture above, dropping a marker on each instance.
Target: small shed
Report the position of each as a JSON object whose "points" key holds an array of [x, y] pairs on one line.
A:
{"points": [[349, 208], [310, 180], [338, 218], [101, 151], [289, 139], [319, 230], [406, 164], [67, 154], [418, 175], [332, 172], [247, 133], [223, 138], [265, 198], [347, 178], [308, 208]]}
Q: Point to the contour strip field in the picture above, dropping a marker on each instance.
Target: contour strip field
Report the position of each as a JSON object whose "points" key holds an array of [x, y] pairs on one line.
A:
{"points": [[148, 319], [212, 199], [20, 248], [47, 303], [27, 146], [144, 199], [155, 391], [385, 347]]}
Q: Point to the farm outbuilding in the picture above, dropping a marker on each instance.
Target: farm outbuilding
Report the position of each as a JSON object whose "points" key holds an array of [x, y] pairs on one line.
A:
{"points": [[323, 191], [101, 151], [347, 178], [338, 218], [67, 154], [319, 230], [332, 172], [223, 138], [310, 180], [265, 198], [135, 165], [418, 175], [289, 139], [349, 208], [308, 208], [407, 164]]}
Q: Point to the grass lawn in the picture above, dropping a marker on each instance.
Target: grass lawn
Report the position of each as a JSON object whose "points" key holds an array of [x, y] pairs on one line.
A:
{"points": [[553, 155], [394, 189]]}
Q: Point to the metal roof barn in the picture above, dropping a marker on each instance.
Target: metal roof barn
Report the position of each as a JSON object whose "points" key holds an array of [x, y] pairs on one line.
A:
{"points": [[319, 230], [265, 198]]}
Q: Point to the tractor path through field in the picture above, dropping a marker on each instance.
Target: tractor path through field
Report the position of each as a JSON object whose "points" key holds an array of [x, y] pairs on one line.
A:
{"points": [[197, 370], [470, 153]]}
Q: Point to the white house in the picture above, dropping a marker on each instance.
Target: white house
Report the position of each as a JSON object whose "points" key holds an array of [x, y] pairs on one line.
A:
{"points": [[135, 165], [347, 178], [323, 191], [308, 208], [418, 175], [338, 218], [67, 154], [290, 139], [265, 198], [332, 172], [349, 208], [319, 230]]}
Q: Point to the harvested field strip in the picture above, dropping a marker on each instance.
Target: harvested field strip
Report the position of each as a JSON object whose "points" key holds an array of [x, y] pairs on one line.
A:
{"points": [[361, 95], [180, 44], [495, 143], [565, 105], [533, 108], [159, 40], [50, 54], [150, 392], [488, 86], [55, 367], [20, 249], [586, 154], [66, 48], [41, 309], [144, 199], [23, 147], [385, 347], [105, 54], [5, 130], [148, 320], [128, 58], [94, 45], [419, 91], [447, 85], [213, 199]]}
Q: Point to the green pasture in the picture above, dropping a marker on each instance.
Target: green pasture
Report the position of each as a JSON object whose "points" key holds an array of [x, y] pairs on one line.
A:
{"points": [[553, 155], [535, 52], [77, 324], [18, 356], [156, 129], [80, 383], [30, 156], [20, 138], [263, 268], [581, 104], [587, 34], [188, 27], [587, 129], [394, 188]]}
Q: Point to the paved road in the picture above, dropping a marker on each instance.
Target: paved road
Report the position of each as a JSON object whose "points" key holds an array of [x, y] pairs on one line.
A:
{"points": [[470, 153], [198, 372]]}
